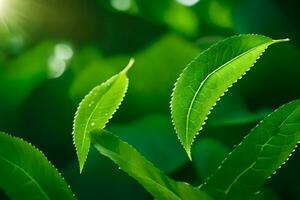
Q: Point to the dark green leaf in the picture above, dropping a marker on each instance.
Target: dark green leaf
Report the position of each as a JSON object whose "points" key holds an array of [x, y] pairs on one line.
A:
{"points": [[27, 174], [260, 154]]}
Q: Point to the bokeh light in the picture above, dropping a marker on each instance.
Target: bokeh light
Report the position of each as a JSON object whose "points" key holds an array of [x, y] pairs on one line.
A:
{"points": [[57, 63], [121, 5], [188, 2]]}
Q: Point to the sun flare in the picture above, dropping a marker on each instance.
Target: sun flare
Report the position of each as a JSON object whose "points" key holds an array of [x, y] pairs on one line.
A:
{"points": [[3, 13], [3, 4]]}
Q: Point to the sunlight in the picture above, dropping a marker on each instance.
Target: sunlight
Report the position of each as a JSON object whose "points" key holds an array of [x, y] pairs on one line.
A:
{"points": [[3, 9], [5, 12]]}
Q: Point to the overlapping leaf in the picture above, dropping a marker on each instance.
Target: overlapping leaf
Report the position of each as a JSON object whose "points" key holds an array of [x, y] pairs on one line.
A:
{"points": [[25, 173], [206, 79], [153, 180], [261, 153], [96, 109]]}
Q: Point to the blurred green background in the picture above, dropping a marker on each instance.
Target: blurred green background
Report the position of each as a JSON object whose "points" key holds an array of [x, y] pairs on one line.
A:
{"points": [[53, 52]]}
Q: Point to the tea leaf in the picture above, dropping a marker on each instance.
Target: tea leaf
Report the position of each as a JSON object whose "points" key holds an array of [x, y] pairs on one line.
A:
{"points": [[208, 77], [153, 180], [261, 153], [96, 109], [27, 174]]}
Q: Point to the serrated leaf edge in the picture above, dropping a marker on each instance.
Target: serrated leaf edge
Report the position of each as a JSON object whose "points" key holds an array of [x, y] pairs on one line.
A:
{"points": [[124, 72], [243, 140], [188, 151], [43, 155], [153, 166]]}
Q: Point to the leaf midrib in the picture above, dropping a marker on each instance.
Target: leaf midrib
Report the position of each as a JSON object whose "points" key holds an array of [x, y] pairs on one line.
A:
{"points": [[90, 117], [226, 192], [207, 77], [26, 174]]}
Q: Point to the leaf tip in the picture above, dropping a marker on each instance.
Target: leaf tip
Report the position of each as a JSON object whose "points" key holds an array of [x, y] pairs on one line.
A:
{"points": [[188, 152], [81, 164], [129, 65], [190, 156], [81, 168]]}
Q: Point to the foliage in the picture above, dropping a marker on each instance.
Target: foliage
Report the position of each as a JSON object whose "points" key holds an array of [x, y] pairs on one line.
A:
{"points": [[96, 109], [206, 79], [154, 180], [52, 54], [27, 174], [259, 155]]}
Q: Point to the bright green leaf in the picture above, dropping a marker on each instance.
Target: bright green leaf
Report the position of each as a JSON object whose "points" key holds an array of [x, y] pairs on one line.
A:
{"points": [[154, 180], [25, 173], [96, 109], [208, 77], [261, 153]]}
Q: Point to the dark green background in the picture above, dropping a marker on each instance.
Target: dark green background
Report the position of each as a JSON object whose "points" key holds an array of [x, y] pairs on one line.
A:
{"points": [[163, 36]]}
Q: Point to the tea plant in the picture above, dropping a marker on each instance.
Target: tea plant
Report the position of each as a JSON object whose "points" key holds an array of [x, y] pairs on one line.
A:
{"points": [[26, 173]]}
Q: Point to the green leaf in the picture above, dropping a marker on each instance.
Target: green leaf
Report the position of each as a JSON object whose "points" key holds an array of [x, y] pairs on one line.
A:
{"points": [[208, 77], [261, 153], [25, 173], [96, 109], [153, 180]]}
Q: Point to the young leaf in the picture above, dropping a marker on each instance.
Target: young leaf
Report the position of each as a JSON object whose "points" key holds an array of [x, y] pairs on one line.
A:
{"points": [[25, 173], [153, 180], [261, 153], [96, 109], [208, 77]]}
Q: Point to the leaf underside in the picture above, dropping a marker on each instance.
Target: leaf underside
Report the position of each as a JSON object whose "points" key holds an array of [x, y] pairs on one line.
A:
{"points": [[96, 109], [260, 154], [153, 180], [25, 173], [208, 77]]}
